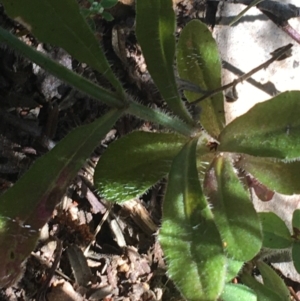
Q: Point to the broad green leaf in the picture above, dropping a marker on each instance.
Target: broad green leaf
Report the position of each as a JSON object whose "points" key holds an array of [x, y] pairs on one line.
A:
{"points": [[61, 72], [198, 61], [60, 23], [233, 268], [276, 234], [263, 293], [278, 175], [273, 281], [189, 236], [155, 27], [234, 213], [295, 255], [134, 163], [296, 219], [237, 292], [28, 205], [269, 129]]}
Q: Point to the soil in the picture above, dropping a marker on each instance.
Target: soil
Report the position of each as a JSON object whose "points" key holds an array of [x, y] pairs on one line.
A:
{"points": [[91, 249]]}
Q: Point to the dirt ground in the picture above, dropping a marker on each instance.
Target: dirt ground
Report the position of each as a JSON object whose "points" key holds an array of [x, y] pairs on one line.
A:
{"points": [[90, 249]]}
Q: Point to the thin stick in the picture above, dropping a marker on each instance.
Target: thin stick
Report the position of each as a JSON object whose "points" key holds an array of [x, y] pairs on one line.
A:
{"points": [[277, 54]]}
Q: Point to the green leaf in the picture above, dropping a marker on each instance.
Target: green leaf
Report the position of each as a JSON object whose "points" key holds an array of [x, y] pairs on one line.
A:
{"points": [[278, 175], [234, 213], [108, 3], [107, 16], [276, 234], [263, 293], [295, 255], [296, 219], [61, 72], [273, 281], [189, 236], [269, 129], [60, 23], [233, 268], [237, 292], [155, 26], [134, 163], [198, 61], [28, 205]]}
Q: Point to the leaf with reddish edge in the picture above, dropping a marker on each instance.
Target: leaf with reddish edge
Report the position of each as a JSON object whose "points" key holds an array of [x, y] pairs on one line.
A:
{"points": [[28, 205], [278, 175], [234, 213], [261, 191]]}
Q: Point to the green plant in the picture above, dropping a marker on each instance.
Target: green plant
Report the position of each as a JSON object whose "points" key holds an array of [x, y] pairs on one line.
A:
{"points": [[208, 221], [99, 8]]}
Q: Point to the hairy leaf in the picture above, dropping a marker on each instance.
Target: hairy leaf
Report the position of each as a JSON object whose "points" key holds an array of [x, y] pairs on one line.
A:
{"points": [[263, 293], [189, 236], [60, 23], [237, 292], [134, 163], [269, 129], [28, 205], [276, 234], [155, 27], [198, 61], [276, 174], [233, 268], [234, 213], [273, 281]]}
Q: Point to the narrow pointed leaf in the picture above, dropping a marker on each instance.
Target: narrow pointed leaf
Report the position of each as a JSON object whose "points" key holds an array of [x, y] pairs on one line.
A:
{"points": [[281, 176], [237, 292], [276, 234], [198, 61], [60, 23], [61, 72], [269, 129], [234, 213], [134, 163], [155, 27], [189, 236], [263, 293], [28, 205], [273, 281]]}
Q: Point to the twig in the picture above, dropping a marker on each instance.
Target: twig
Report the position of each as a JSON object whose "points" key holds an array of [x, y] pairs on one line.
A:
{"points": [[41, 294], [277, 12], [276, 55]]}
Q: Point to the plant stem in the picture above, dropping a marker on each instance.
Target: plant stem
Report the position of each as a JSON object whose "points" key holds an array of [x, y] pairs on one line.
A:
{"points": [[156, 116], [276, 55]]}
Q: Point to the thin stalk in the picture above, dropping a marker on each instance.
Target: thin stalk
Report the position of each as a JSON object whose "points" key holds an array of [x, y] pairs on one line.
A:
{"points": [[156, 116], [84, 85]]}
